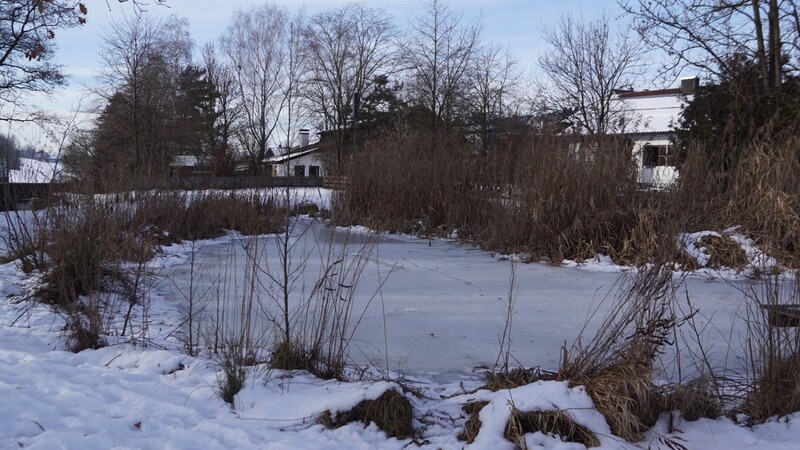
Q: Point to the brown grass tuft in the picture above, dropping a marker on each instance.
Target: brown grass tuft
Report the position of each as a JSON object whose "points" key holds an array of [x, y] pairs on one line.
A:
{"points": [[553, 197], [557, 423], [694, 400], [292, 356], [83, 329], [392, 412], [514, 378], [723, 252], [772, 349], [626, 396], [776, 392], [686, 261], [473, 425]]}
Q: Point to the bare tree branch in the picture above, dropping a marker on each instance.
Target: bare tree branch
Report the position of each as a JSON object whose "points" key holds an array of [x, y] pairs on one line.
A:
{"points": [[585, 64]]}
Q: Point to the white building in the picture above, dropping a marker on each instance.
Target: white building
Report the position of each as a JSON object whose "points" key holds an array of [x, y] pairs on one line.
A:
{"points": [[302, 161], [656, 115]]}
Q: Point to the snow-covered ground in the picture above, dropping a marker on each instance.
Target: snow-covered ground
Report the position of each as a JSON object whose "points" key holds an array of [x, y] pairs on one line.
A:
{"points": [[436, 318], [35, 171]]}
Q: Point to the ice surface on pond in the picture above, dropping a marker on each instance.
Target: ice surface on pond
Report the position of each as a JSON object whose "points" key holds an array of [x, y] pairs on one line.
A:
{"points": [[444, 303]]}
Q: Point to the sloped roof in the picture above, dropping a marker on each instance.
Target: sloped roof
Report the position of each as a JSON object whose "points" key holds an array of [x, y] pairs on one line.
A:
{"points": [[654, 111], [294, 154], [185, 161]]}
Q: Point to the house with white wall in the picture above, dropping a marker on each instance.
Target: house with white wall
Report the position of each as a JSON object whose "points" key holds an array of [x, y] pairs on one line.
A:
{"points": [[655, 115], [306, 160]]}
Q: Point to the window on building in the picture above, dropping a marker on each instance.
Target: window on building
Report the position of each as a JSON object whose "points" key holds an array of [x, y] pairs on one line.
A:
{"points": [[656, 155], [299, 171], [313, 171]]}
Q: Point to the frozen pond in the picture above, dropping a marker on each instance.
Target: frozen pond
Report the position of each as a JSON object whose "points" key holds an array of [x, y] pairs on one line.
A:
{"points": [[441, 308]]}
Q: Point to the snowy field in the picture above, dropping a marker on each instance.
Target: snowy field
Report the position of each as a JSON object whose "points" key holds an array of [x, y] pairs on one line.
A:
{"points": [[34, 171], [434, 309]]}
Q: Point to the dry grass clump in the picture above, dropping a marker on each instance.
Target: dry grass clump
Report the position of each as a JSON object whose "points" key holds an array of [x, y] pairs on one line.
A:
{"points": [[204, 216], [617, 364], [773, 349], [557, 423], [410, 182], [695, 400], [293, 356], [84, 327], [553, 197], [766, 197], [685, 261], [83, 248], [392, 412], [568, 199], [759, 192], [723, 252], [776, 391], [473, 424], [233, 359], [514, 378], [309, 209], [626, 396], [209, 215], [644, 240]]}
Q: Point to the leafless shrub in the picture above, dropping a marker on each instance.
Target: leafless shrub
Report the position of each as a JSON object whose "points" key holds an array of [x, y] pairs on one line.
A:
{"points": [[233, 360], [86, 324], [323, 325], [23, 242]]}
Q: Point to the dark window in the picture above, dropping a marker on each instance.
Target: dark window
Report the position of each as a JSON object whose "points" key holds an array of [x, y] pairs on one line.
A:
{"points": [[313, 171], [656, 155], [299, 171]]}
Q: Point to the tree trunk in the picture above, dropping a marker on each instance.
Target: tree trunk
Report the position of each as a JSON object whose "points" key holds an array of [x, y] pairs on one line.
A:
{"points": [[761, 52], [775, 44]]}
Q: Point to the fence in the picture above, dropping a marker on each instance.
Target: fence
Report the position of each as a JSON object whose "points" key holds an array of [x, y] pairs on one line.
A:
{"points": [[197, 183], [23, 195], [30, 195]]}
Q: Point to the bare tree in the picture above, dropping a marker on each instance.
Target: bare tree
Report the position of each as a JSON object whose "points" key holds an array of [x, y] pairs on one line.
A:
{"points": [[131, 61], [297, 113], [140, 5], [255, 46], [226, 110], [175, 46], [493, 77], [27, 43], [705, 34], [143, 62], [439, 50], [9, 156], [347, 48], [585, 64]]}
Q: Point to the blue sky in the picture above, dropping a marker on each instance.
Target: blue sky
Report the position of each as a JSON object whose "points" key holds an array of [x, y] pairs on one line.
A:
{"points": [[516, 23]]}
